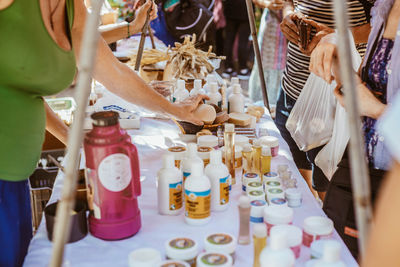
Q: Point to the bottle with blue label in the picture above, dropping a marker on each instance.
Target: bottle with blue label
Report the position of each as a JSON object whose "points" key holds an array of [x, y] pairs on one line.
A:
{"points": [[197, 196], [219, 175], [169, 187], [190, 158]]}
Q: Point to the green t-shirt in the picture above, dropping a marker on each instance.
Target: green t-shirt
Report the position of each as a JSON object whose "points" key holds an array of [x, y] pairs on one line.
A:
{"points": [[32, 65]]}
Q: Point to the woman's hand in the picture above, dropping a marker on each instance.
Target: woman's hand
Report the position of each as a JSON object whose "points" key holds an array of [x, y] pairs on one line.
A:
{"points": [[141, 14], [323, 56], [369, 105], [289, 27], [322, 31], [185, 110]]}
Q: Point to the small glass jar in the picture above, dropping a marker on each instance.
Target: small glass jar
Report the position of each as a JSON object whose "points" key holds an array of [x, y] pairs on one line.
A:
{"points": [[221, 242], [182, 248], [238, 156], [179, 153], [293, 196]]}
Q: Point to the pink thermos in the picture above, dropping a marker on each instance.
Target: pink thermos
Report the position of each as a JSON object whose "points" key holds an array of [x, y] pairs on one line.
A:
{"points": [[113, 175]]}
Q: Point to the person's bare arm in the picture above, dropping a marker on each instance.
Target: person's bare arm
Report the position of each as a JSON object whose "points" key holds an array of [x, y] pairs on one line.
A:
{"points": [[383, 243], [55, 125], [113, 33], [123, 81], [361, 33]]}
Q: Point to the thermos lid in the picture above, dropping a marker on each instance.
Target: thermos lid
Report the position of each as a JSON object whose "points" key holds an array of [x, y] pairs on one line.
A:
{"points": [[105, 118]]}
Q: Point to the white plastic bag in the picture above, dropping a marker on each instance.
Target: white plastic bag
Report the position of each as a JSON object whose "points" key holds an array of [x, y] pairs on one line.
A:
{"points": [[311, 120], [330, 156]]}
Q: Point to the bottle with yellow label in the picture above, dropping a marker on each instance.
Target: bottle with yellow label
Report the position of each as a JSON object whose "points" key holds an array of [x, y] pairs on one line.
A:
{"points": [[197, 196], [218, 174], [265, 159], [169, 187], [190, 158]]}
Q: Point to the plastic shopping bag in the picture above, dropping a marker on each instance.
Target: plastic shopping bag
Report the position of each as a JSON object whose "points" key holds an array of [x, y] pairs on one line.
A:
{"points": [[311, 120], [330, 156]]}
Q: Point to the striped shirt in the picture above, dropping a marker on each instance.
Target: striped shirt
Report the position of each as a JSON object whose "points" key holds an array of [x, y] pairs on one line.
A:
{"points": [[296, 71]]}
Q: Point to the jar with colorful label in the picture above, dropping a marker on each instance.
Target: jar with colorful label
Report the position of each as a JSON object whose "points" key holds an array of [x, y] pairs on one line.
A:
{"points": [[294, 237], [275, 192], [277, 215], [315, 228], [251, 186], [272, 142], [214, 259], [270, 176], [183, 249], [256, 195], [257, 211], [249, 177], [221, 242], [174, 263]]}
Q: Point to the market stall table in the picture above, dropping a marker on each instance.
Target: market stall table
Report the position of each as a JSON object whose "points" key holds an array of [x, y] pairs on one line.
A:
{"points": [[152, 140]]}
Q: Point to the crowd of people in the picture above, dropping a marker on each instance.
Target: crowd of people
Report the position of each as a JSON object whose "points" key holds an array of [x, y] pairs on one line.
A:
{"points": [[57, 29]]}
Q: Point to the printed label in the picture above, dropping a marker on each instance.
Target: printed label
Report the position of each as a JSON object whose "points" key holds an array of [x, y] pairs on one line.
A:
{"points": [[258, 203], [177, 149], [243, 188], [115, 172], [271, 174], [204, 149], [181, 243], [214, 259], [224, 190], [175, 196], [275, 191], [219, 239], [185, 175], [256, 219], [173, 264], [256, 193], [197, 204], [278, 201], [251, 175], [254, 184], [273, 183]]}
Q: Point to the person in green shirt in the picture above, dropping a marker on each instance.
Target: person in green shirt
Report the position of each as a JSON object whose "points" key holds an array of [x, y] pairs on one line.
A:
{"points": [[39, 51]]}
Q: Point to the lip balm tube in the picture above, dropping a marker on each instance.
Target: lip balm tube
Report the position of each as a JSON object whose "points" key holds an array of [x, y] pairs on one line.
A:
{"points": [[244, 223]]}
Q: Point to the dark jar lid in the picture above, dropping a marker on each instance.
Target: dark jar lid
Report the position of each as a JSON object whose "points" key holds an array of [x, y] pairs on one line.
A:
{"points": [[105, 118]]}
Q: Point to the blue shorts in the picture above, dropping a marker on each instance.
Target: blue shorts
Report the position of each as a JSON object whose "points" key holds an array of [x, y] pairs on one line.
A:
{"points": [[303, 160], [15, 222]]}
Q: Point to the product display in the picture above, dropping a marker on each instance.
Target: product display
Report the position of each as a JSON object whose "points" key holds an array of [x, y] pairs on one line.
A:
{"points": [[277, 215], [229, 141], [219, 259], [169, 187], [294, 237], [221, 242], [265, 159], [293, 196], [190, 158], [315, 228], [182, 248], [244, 220], [259, 242], [208, 141], [257, 211], [219, 175], [144, 257], [179, 153], [249, 177], [197, 196], [204, 153], [277, 252], [272, 142]]}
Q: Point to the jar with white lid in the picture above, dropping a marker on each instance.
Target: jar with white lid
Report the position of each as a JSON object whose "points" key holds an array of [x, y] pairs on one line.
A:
{"points": [[238, 156], [270, 176], [256, 195], [179, 153], [315, 228], [294, 237], [144, 257], [277, 215], [254, 186], [208, 141], [272, 184], [278, 201], [272, 142], [182, 248], [214, 259], [293, 196], [241, 140], [204, 153], [257, 211], [249, 177], [174, 263], [317, 248], [275, 192], [221, 242]]}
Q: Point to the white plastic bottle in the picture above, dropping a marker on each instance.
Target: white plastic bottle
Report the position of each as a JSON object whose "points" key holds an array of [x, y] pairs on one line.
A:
{"points": [[214, 95], [190, 158], [169, 187], [229, 90], [197, 196], [331, 255], [197, 90], [218, 174], [277, 253], [210, 79], [180, 93], [236, 100]]}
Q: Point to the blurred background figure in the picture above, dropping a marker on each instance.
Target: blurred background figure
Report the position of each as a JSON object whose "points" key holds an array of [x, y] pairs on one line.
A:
{"points": [[273, 52]]}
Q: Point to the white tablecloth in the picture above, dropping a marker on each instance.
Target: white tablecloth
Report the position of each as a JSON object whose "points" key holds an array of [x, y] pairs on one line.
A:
{"points": [[151, 140]]}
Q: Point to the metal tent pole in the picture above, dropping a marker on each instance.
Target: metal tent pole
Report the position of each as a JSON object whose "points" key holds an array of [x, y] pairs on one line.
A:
{"points": [[359, 171], [250, 13], [67, 202]]}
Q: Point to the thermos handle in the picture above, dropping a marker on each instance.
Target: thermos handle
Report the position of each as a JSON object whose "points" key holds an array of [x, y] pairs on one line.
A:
{"points": [[135, 168]]}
